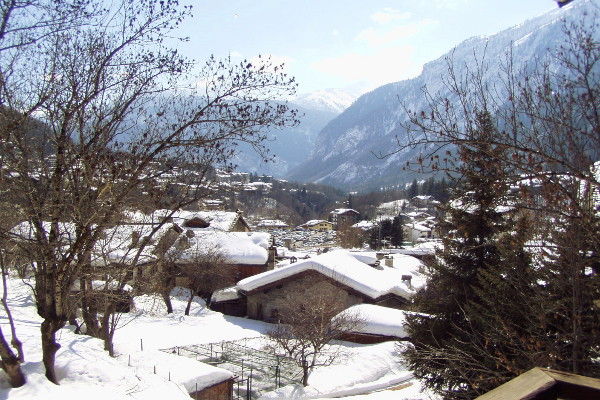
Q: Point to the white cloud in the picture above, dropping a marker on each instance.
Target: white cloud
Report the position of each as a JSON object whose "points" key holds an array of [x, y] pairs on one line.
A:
{"points": [[335, 32], [380, 67], [388, 15], [382, 36]]}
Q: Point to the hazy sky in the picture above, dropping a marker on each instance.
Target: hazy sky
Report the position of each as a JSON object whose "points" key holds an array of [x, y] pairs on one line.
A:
{"points": [[337, 43]]}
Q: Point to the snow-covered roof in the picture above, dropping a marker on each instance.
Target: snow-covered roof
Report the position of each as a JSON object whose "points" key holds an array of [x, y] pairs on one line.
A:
{"points": [[217, 220], [339, 211], [419, 227], [314, 222], [113, 246], [248, 248], [394, 205], [193, 375], [367, 257], [230, 293], [421, 249], [342, 267], [378, 320], [365, 225]]}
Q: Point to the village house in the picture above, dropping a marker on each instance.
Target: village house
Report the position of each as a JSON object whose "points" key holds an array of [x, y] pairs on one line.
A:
{"points": [[343, 217], [317, 225], [337, 273], [225, 221], [415, 231], [271, 224]]}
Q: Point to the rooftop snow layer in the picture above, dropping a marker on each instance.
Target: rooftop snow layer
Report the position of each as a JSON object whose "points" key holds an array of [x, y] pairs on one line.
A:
{"points": [[342, 267], [378, 320], [191, 374], [237, 247]]}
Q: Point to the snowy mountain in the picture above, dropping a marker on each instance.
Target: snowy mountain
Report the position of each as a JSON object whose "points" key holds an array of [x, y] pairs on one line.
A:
{"points": [[293, 146], [332, 100], [345, 148], [290, 146]]}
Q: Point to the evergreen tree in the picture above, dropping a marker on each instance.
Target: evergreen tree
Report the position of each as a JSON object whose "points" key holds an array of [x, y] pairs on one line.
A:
{"points": [[397, 236], [413, 189], [472, 248], [386, 231], [374, 239], [571, 290]]}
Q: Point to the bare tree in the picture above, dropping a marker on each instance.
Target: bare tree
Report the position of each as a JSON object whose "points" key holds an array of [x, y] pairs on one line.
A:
{"points": [[349, 237], [10, 360], [118, 115], [204, 271], [546, 135], [308, 325]]}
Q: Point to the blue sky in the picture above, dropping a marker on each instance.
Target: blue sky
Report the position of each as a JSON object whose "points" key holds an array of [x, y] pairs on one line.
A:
{"points": [[338, 43]]}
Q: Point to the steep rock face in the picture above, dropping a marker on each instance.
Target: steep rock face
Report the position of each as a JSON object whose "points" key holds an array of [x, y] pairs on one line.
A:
{"points": [[346, 149]]}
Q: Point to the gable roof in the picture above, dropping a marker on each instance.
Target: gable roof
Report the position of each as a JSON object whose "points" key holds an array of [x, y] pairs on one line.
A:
{"points": [[540, 383], [344, 211], [343, 268]]}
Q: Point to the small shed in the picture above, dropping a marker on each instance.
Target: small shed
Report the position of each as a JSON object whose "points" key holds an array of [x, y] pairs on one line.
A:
{"points": [[200, 380], [377, 324]]}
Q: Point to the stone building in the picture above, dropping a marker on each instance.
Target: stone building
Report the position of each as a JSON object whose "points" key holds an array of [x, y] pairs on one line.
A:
{"points": [[338, 274]]}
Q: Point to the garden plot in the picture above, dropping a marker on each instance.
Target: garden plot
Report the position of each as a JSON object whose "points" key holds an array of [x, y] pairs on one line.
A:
{"points": [[257, 367]]}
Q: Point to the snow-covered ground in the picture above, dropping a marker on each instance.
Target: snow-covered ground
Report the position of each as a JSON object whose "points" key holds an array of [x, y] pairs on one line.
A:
{"points": [[87, 372]]}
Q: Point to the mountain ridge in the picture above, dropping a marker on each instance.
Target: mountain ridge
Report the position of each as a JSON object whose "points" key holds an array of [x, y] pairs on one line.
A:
{"points": [[345, 149]]}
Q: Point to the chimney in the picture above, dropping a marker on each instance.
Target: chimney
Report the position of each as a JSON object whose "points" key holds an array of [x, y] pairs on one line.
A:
{"points": [[408, 280], [272, 255], [389, 261]]}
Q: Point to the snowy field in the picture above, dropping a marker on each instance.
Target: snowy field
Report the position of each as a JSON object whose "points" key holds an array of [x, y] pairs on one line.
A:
{"points": [[87, 372]]}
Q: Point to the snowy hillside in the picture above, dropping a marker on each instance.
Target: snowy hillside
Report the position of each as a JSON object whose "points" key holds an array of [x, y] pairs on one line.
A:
{"points": [[344, 151]]}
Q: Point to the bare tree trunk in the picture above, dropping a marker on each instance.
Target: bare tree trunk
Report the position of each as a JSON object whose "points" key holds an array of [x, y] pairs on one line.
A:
{"points": [[576, 353], [49, 345], [189, 303], [10, 363], [107, 328], [15, 342], [167, 299], [89, 310], [305, 371]]}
